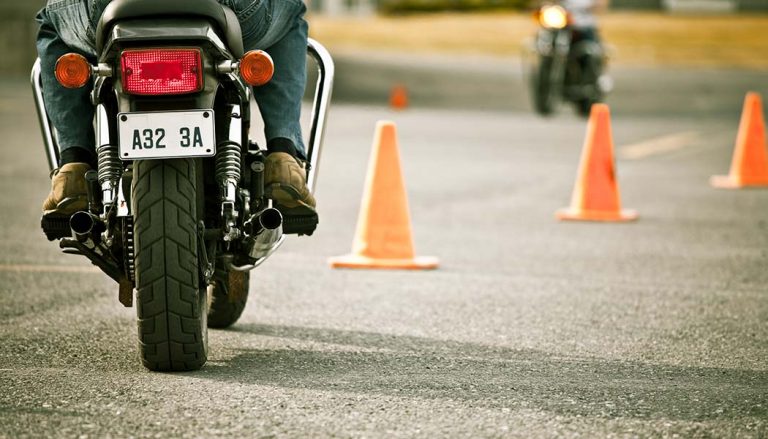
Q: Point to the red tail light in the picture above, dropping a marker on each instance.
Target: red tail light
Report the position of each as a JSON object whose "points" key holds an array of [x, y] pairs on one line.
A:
{"points": [[162, 71]]}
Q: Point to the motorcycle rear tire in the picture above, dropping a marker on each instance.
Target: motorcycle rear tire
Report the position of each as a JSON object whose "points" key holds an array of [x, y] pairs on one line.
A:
{"points": [[171, 297], [543, 93], [588, 76], [584, 106], [228, 297]]}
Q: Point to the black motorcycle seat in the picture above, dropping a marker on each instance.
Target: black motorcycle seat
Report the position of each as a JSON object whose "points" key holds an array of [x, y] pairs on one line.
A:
{"points": [[222, 16]]}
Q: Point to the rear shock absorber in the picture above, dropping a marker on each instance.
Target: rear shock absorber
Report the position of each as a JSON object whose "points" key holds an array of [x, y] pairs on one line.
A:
{"points": [[228, 171], [110, 169]]}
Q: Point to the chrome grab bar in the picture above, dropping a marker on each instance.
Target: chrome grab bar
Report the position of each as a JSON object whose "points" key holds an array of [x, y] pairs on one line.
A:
{"points": [[320, 106], [49, 140]]}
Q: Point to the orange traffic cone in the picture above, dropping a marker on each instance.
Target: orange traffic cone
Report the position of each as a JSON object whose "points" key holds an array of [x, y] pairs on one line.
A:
{"points": [[749, 166], [383, 238], [398, 97], [596, 193]]}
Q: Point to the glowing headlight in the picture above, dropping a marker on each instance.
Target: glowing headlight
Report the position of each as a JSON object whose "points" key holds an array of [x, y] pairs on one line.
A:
{"points": [[553, 17]]}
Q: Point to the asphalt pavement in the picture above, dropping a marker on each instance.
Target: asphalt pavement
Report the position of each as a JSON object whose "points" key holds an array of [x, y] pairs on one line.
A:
{"points": [[529, 328]]}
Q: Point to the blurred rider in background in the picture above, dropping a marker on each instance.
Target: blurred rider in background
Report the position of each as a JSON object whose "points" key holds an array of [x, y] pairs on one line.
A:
{"points": [[583, 22], [583, 19]]}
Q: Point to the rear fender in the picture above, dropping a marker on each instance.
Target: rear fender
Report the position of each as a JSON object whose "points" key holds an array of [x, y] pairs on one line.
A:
{"points": [[166, 33]]}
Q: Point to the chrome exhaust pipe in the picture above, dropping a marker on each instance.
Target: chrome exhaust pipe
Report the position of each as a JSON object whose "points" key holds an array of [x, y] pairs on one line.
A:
{"points": [[268, 224], [86, 226], [87, 229]]}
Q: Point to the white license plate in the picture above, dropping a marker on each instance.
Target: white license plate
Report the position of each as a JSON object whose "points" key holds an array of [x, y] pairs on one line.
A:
{"points": [[170, 134]]}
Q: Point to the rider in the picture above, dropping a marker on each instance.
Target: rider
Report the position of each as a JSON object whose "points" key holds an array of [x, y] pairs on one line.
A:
{"points": [[583, 23], [583, 20], [276, 26]]}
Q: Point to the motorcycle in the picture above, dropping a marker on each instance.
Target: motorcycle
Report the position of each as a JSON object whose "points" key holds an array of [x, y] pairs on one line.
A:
{"points": [[176, 206], [565, 66]]}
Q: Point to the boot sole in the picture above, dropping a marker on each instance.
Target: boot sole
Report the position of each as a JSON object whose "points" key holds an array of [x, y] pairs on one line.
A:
{"points": [[288, 198], [55, 222], [298, 217]]}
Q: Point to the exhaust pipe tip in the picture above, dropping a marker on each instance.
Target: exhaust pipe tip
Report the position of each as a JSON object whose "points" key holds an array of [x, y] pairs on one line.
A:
{"points": [[85, 225], [270, 218], [81, 223], [265, 240]]}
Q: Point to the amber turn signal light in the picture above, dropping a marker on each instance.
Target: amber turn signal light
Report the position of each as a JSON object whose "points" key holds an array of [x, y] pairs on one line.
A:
{"points": [[73, 70], [256, 67]]}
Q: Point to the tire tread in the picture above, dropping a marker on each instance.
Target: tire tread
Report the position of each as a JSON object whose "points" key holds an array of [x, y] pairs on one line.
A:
{"points": [[171, 324]]}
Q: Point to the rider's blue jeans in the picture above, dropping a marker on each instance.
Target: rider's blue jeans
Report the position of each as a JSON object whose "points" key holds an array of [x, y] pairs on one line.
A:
{"points": [[277, 26]]}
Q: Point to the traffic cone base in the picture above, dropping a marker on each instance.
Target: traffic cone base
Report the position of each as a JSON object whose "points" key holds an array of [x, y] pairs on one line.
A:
{"points": [[358, 261], [570, 214], [731, 182]]}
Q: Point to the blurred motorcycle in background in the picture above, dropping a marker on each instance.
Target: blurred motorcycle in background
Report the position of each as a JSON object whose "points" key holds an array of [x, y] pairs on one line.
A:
{"points": [[565, 63]]}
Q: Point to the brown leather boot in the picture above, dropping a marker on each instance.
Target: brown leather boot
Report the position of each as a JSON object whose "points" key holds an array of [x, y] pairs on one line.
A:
{"points": [[68, 190], [286, 184]]}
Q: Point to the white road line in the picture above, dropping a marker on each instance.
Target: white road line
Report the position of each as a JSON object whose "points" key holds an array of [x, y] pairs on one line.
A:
{"points": [[47, 268], [658, 145]]}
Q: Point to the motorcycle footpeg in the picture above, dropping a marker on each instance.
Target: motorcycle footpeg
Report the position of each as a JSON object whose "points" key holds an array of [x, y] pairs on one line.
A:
{"points": [[55, 227], [293, 224]]}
